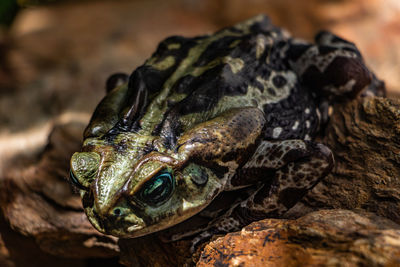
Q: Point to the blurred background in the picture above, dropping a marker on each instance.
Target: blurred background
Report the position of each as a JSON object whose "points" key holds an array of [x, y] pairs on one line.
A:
{"points": [[56, 55]]}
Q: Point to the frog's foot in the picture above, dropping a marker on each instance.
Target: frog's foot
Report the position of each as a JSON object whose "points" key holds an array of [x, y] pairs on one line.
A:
{"points": [[332, 67]]}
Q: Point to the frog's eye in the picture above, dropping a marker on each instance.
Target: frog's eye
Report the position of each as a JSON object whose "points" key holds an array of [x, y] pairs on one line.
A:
{"points": [[158, 189], [75, 181]]}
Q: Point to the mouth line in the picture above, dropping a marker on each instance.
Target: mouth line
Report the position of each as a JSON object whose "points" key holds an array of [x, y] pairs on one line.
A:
{"points": [[122, 232]]}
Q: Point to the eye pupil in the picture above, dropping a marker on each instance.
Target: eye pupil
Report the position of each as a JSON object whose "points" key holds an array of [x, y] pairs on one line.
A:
{"points": [[158, 189], [117, 212]]}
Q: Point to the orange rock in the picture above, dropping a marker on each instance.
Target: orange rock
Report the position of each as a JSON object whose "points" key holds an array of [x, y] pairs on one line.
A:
{"points": [[327, 237]]}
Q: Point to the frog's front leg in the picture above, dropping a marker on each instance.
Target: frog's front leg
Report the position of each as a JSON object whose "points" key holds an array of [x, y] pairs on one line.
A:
{"points": [[287, 170]]}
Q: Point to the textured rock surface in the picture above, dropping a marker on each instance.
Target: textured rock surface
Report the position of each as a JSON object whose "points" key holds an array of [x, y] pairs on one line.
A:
{"points": [[326, 237], [136, 252], [38, 202], [365, 138]]}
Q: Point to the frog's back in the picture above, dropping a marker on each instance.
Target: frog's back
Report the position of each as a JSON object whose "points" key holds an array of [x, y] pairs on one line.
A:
{"points": [[191, 80]]}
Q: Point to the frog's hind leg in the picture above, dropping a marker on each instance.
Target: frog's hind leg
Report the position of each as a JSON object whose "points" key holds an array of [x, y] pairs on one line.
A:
{"points": [[332, 67], [286, 170], [299, 166]]}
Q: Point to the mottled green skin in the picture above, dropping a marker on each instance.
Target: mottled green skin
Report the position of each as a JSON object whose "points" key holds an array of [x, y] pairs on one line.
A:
{"points": [[121, 174], [236, 109]]}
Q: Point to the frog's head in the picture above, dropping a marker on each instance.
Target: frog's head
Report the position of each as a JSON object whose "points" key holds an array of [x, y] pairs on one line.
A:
{"points": [[128, 191]]}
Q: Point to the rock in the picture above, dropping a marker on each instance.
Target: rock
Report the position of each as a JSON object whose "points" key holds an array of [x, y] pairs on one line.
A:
{"points": [[151, 251], [322, 238], [5, 259], [38, 202], [365, 138], [18, 250]]}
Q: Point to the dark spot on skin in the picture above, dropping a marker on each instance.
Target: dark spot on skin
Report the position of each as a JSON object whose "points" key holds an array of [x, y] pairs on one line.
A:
{"points": [[112, 134], [147, 149], [294, 155], [169, 128], [278, 154], [298, 177], [252, 176], [271, 91], [88, 148], [216, 49], [258, 85], [121, 147], [279, 81], [297, 50], [290, 196], [265, 73], [286, 105], [316, 165], [296, 167], [184, 85]]}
